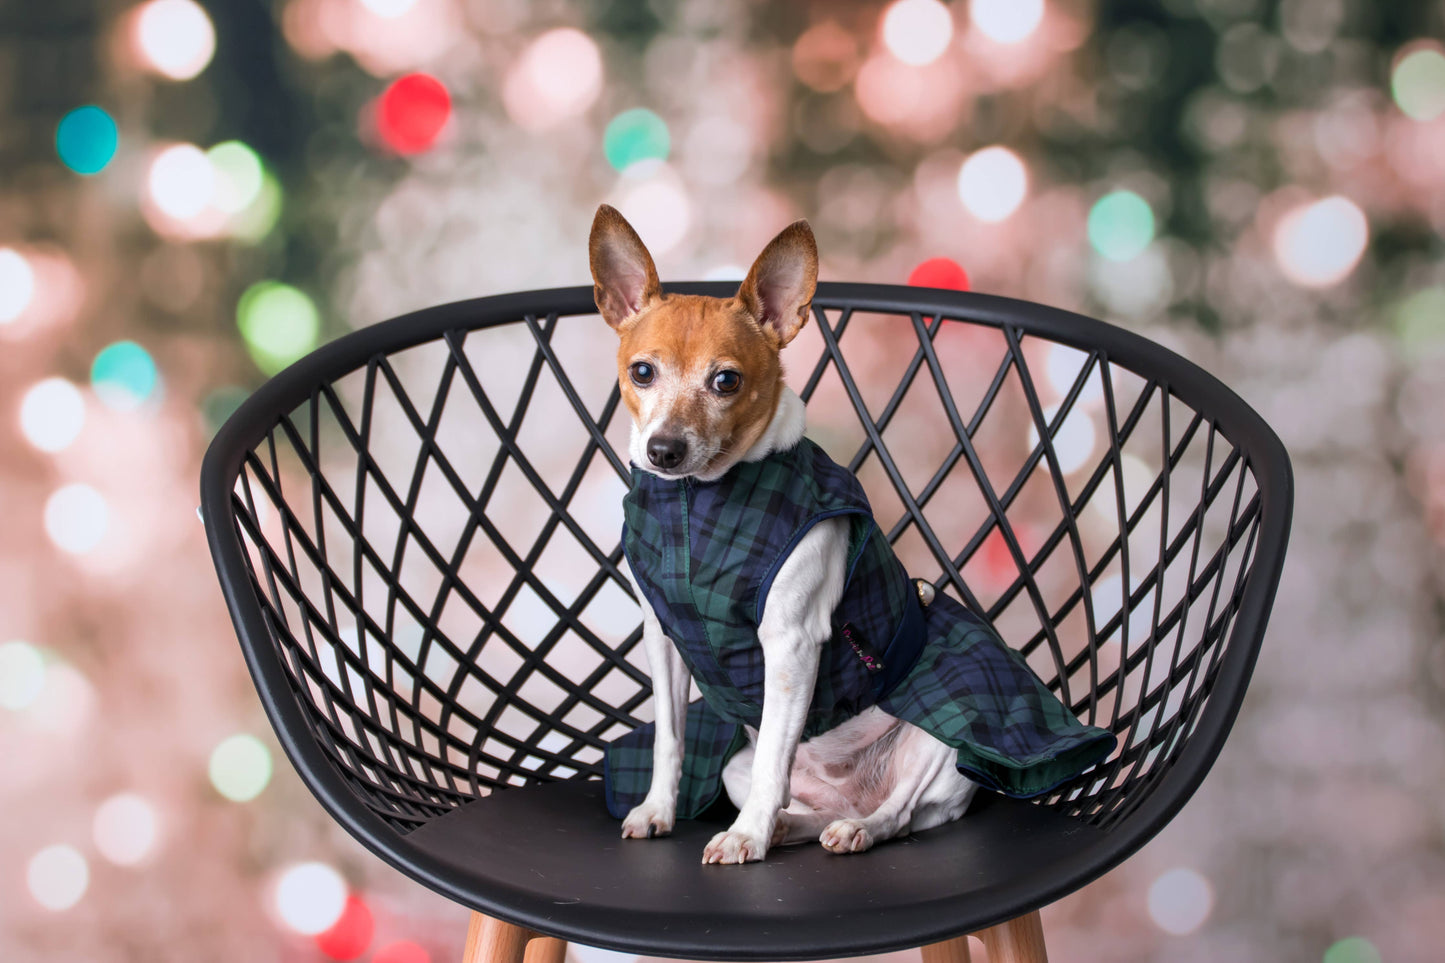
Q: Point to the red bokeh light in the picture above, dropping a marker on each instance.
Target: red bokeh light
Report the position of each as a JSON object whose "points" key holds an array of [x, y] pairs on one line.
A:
{"points": [[350, 935], [940, 272], [411, 113], [402, 951]]}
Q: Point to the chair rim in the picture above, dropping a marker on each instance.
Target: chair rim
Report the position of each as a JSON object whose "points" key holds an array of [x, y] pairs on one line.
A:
{"points": [[1244, 427]]}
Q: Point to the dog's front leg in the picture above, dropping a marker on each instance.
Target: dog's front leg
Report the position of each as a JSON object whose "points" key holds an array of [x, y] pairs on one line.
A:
{"points": [[797, 621], [654, 816]]}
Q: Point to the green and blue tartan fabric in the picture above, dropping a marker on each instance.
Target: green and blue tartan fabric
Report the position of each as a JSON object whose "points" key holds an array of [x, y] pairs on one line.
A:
{"points": [[705, 555]]}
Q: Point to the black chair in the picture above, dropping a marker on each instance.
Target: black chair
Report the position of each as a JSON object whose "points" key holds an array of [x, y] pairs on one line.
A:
{"points": [[416, 530]]}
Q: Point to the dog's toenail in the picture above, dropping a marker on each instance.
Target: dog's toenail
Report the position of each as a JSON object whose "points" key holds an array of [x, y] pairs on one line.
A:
{"points": [[651, 830]]}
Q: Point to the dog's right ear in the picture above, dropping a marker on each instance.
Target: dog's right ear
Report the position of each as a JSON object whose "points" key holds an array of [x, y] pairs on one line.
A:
{"points": [[623, 275]]}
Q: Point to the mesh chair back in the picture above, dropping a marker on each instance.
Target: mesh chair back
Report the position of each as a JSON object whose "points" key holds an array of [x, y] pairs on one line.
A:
{"points": [[425, 519]]}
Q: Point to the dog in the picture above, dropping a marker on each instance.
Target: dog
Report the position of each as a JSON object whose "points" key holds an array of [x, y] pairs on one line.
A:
{"points": [[703, 381]]}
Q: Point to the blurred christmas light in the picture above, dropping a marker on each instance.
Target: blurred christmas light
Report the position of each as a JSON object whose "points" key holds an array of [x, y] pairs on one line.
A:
{"points": [[123, 376], [1420, 321], [58, 877], [175, 37], [1352, 949], [660, 212], [1062, 365], [1319, 244], [1180, 901], [52, 414], [278, 322], [917, 32], [556, 78], [826, 56], [238, 175], [240, 768], [1121, 225], [310, 897], [86, 139], [350, 935], [76, 518], [1418, 82], [22, 674], [125, 829], [1006, 21], [939, 272], [1073, 441], [17, 284], [412, 112], [402, 951], [65, 704], [260, 216], [181, 181], [633, 136], [992, 183], [390, 9]]}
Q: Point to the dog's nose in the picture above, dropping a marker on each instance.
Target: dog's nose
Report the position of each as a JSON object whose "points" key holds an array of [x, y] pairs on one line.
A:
{"points": [[666, 453]]}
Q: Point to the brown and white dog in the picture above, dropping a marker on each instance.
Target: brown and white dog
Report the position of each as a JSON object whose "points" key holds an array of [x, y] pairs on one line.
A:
{"points": [[703, 380]]}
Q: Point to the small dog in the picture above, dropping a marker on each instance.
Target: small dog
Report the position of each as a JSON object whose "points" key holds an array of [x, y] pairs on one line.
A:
{"points": [[718, 549]]}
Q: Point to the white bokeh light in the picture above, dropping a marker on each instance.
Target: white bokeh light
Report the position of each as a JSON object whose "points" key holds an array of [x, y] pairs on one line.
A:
{"points": [[992, 183], [310, 897], [1006, 21], [1319, 244], [1180, 901], [52, 413], [22, 674], [1062, 366], [240, 767], [390, 9], [76, 518], [1074, 441], [556, 78], [125, 829], [659, 211], [17, 284], [182, 181], [917, 32], [175, 37], [58, 877]]}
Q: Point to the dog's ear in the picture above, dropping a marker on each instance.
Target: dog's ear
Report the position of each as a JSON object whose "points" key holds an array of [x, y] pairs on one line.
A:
{"points": [[779, 289], [623, 275]]}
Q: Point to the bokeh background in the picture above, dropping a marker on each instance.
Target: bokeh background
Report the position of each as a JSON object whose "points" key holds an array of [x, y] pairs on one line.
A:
{"points": [[194, 195]]}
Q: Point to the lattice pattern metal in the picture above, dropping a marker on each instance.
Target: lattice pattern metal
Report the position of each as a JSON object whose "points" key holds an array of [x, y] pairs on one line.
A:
{"points": [[434, 540]]}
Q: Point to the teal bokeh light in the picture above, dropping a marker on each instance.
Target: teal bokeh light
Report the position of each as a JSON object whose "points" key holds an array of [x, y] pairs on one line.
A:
{"points": [[86, 139], [635, 135], [1121, 225], [124, 375]]}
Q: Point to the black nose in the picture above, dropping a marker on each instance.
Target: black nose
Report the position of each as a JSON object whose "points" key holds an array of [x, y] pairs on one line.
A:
{"points": [[666, 453]]}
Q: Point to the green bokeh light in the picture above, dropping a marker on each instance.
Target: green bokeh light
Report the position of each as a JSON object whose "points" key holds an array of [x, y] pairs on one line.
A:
{"points": [[238, 175], [1418, 84], [1121, 225], [261, 215], [635, 135], [1420, 321], [124, 375], [240, 767], [1353, 949], [278, 322], [86, 139]]}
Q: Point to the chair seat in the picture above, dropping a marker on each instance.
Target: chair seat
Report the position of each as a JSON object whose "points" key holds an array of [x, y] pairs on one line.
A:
{"points": [[552, 856]]}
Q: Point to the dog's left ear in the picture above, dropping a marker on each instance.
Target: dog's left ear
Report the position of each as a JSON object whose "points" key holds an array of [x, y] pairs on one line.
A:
{"points": [[779, 288], [623, 276]]}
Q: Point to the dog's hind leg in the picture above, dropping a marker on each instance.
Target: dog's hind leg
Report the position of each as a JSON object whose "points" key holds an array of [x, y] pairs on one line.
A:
{"points": [[927, 790]]}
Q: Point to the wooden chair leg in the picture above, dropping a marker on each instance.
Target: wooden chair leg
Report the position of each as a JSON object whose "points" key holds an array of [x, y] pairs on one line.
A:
{"points": [[493, 941], [1017, 941], [546, 949], [949, 951]]}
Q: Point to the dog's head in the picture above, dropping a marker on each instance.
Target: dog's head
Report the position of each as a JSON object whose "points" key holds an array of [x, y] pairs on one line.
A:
{"points": [[701, 376]]}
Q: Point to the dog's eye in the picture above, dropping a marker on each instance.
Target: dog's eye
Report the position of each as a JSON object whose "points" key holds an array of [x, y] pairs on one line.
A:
{"points": [[726, 382], [642, 373]]}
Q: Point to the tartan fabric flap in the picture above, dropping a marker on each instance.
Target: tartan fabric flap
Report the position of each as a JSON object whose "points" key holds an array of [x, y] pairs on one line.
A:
{"points": [[709, 741]]}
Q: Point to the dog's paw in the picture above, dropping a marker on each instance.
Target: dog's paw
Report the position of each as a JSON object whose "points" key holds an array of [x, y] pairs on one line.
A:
{"points": [[735, 847], [648, 820], [846, 836]]}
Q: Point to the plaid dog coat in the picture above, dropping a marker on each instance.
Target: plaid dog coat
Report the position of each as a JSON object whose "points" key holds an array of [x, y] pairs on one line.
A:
{"points": [[705, 555]]}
